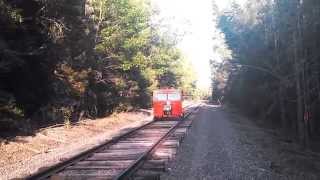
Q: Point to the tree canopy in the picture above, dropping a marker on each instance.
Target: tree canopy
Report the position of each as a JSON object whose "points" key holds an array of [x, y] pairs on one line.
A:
{"points": [[89, 57], [274, 69]]}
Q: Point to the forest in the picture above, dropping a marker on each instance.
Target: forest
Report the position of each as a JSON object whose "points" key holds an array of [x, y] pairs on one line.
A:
{"points": [[272, 70], [61, 60]]}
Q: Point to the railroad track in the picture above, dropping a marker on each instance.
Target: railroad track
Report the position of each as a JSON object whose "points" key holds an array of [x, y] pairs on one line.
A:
{"points": [[138, 154]]}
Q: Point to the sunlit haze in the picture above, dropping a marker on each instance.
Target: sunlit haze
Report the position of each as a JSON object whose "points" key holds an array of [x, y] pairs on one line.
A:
{"points": [[194, 18]]}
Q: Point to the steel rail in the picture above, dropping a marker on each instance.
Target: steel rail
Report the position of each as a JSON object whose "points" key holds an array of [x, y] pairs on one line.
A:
{"points": [[45, 173], [50, 171], [135, 165]]}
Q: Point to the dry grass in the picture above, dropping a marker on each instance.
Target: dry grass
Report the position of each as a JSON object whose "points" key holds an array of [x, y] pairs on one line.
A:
{"points": [[49, 146]]}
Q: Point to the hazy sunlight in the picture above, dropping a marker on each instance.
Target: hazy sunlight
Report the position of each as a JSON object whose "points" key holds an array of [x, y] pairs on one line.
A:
{"points": [[193, 17]]}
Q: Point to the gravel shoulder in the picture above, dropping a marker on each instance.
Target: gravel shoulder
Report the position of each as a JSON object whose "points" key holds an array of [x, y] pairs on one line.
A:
{"points": [[28, 154], [224, 145]]}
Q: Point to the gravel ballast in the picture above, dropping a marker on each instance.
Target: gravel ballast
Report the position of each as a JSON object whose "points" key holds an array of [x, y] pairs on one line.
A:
{"points": [[224, 145]]}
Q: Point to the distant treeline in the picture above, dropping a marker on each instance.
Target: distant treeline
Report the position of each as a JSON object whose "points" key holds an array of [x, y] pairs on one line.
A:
{"points": [[274, 69], [61, 60]]}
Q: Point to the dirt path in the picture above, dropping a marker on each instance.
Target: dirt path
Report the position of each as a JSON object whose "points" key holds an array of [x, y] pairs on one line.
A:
{"points": [[223, 145]]}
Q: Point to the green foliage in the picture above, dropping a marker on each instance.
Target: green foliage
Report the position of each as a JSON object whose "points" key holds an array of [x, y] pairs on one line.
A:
{"points": [[66, 112], [127, 38], [12, 15], [274, 69], [60, 60]]}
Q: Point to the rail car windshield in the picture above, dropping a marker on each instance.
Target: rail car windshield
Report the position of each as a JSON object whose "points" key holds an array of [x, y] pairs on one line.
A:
{"points": [[172, 96], [161, 97]]}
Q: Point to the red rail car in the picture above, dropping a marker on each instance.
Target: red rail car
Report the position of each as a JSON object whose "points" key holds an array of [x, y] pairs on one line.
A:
{"points": [[167, 103]]}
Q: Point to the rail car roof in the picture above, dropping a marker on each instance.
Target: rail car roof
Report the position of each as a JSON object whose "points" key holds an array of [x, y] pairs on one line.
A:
{"points": [[167, 91]]}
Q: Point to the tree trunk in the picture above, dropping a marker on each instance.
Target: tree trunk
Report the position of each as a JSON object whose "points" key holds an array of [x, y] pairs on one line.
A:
{"points": [[276, 53], [284, 123], [302, 115], [300, 123]]}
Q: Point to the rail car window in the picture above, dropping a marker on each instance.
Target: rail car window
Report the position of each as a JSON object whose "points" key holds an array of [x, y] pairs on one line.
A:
{"points": [[174, 97], [161, 97]]}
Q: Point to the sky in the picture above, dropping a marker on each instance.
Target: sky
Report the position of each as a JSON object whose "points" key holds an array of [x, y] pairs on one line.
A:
{"points": [[194, 19]]}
